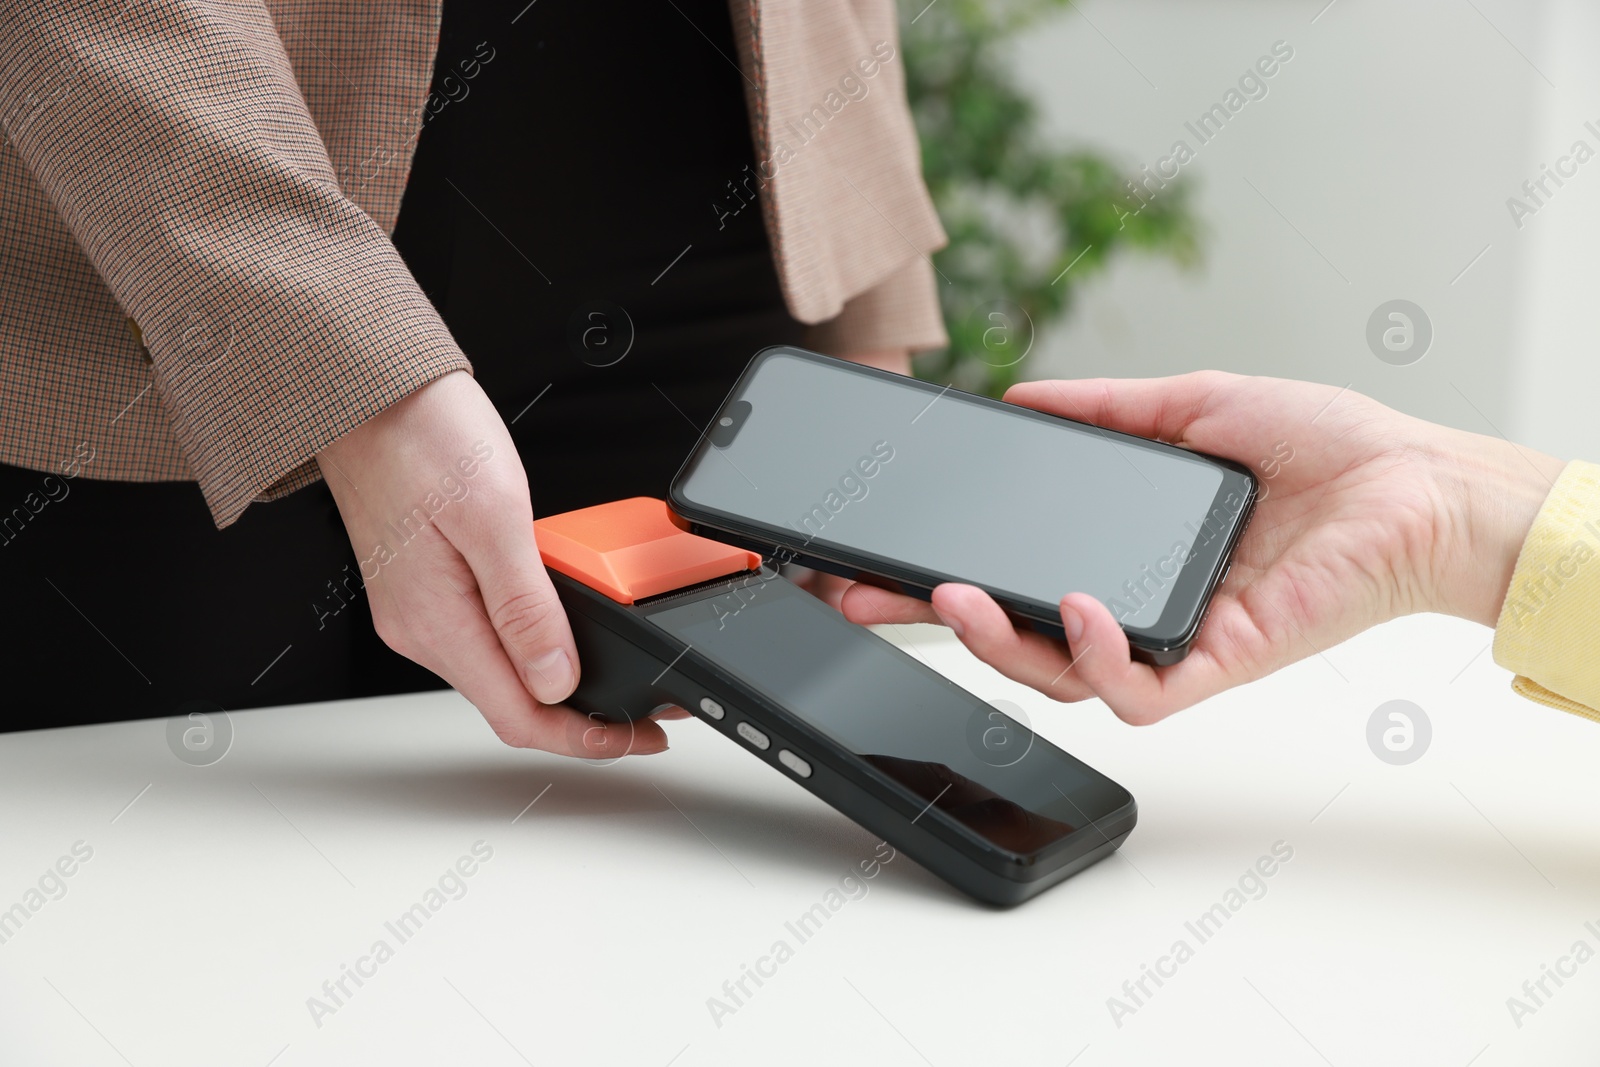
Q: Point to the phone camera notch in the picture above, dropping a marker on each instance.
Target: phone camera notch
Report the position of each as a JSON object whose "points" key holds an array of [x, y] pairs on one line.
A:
{"points": [[728, 424]]}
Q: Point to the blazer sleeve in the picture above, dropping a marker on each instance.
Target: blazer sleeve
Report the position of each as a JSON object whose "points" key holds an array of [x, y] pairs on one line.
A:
{"points": [[901, 311], [172, 138], [1548, 632]]}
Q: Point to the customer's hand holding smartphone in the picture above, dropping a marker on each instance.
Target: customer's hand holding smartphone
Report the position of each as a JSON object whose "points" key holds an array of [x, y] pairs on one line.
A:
{"points": [[1365, 514], [855, 471]]}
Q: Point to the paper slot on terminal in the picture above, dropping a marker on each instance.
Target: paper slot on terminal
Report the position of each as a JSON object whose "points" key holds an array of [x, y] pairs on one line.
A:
{"points": [[664, 616]]}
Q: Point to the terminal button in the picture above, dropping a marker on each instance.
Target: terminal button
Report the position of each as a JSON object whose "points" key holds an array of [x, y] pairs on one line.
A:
{"points": [[752, 735], [800, 767], [711, 707]]}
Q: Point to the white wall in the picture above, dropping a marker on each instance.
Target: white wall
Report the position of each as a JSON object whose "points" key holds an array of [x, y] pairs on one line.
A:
{"points": [[1391, 141], [1558, 379]]}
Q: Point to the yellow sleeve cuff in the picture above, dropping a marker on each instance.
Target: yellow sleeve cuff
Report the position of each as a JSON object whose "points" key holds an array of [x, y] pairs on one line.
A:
{"points": [[1549, 627]]}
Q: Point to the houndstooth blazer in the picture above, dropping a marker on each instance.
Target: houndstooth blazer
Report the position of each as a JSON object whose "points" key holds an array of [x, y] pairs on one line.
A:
{"points": [[197, 280]]}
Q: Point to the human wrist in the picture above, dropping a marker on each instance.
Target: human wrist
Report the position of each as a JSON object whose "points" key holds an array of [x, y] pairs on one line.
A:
{"points": [[345, 451], [1497, 489], [369, 435]]}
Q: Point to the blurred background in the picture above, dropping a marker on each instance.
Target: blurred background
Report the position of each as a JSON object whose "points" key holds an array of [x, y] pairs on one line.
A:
{"points": [[1376, 165]]}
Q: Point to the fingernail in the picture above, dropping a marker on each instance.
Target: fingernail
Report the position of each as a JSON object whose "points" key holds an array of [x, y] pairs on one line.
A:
{"points": [[1072, 622], [553, 678], [635, 748]]}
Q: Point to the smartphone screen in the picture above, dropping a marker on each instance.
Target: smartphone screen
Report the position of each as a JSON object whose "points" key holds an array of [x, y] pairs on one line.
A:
{"points": [[985, 770], [889, 473]]}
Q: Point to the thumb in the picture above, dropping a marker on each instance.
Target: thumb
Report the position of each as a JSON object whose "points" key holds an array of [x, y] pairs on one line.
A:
{"points": [[522, 605]]}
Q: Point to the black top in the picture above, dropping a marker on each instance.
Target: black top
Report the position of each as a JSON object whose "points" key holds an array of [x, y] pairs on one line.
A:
{"points": [[566, 215]]}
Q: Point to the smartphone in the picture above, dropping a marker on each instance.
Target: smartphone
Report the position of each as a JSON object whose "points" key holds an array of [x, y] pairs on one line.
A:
{"points": [[877, 476], [663, 616]]}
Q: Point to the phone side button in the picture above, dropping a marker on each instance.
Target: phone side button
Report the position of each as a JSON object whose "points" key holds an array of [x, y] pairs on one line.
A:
{"points": [[752, 735], [800, 767], [711, 707]]}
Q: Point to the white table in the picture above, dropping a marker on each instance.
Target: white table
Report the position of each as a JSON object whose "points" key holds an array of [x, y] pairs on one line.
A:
{"points": [[1418, 899]]}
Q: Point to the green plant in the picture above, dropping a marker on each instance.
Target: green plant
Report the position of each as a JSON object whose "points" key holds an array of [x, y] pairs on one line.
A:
{"points": [[1019, 211]]}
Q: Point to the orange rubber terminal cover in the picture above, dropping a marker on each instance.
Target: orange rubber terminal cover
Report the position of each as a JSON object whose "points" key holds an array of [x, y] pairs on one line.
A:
{"points": [[632, 549]]}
